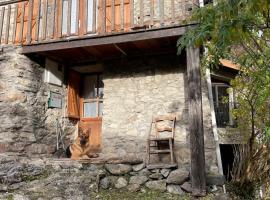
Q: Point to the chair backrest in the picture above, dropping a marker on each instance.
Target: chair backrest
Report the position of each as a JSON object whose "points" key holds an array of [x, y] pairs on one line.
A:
{"points": [[164, 124]]}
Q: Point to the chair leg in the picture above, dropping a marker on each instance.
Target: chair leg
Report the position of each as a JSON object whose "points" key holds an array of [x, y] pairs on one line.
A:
{"points": [[148, 152], [171, 151]]}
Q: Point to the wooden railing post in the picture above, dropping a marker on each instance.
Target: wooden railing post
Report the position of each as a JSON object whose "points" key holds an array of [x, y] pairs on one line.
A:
{"points": [[94, 15], [29, 22], [197, 173], [161, 10], [2, 14], [69, 17], [122, 15], [7, 24], [37, 21], [22, 22], [44, 19], [131, 14], [113, 16], [14, 23]]}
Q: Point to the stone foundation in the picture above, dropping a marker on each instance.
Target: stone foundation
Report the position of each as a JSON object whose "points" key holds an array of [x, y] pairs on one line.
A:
{"points": [[47, 179]]}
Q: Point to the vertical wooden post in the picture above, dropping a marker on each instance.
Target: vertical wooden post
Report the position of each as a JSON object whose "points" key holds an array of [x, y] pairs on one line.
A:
{"points": [[29, 23], [14, 23], [8, 24], [197, 173]]}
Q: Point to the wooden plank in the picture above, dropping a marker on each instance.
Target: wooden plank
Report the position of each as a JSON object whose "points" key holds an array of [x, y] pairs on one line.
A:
{"points": [[2, 15], [131, 14], [4, 3], [152, 6], [44, 19], [97, 40], [196, 132], [69, 17], [53, 21], [122, 15], [113, 16], [37, 20], [60, 18], [161, 9], [94, 15], [22, 22], [7, 24], [14, 23], [78, 23], [173, 10], [29, 22], [141, 13], [85, 17], [103, 26]]}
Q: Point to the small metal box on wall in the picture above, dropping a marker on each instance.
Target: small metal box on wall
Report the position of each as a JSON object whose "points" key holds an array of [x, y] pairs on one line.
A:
{"points": [[55, 100]]}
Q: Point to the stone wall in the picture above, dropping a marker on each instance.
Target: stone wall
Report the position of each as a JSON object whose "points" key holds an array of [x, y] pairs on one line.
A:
{"points": [[27, 125], [59, 179], [135, 92]]}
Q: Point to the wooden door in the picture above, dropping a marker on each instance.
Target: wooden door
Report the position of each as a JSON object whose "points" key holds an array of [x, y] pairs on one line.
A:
{"points": [[116, 18], [91, 108]]}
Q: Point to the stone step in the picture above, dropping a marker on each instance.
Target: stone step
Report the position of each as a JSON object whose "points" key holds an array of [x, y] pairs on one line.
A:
{"points": [[161, 166]]}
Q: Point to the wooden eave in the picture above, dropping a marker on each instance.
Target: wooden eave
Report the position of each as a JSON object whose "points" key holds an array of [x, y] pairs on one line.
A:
{"points": [[99, 40]]}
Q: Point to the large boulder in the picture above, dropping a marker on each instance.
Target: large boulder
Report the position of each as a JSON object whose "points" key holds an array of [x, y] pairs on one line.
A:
{"points": [[177, 177], [121, 183], [138, 180], [133, 188], [156, 176], [186, 187], [156, 185], [138, 167], [175, 189], [165, 172], [118, 169], [144, 172]]}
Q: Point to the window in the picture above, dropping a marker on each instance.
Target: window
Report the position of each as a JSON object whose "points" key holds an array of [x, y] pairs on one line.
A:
{"points": [[92, 96], [222, 108]]}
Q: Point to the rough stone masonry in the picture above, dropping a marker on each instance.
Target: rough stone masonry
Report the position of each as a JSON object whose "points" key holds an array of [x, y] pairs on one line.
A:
{"points": [[134, 92]]}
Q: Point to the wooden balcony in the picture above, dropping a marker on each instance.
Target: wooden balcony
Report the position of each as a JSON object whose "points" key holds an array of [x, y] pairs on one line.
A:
{"points": [[36, 22]]}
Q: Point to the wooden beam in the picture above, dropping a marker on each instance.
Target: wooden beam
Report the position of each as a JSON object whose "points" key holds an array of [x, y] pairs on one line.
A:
{"points": [[197, 173], [96, 40]]}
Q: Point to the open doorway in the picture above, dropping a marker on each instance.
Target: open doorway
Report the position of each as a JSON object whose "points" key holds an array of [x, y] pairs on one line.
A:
{"points": [[227, 158]]}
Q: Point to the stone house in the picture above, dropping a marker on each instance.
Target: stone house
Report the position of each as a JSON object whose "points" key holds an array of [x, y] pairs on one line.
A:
{"points": [[109, 64]]}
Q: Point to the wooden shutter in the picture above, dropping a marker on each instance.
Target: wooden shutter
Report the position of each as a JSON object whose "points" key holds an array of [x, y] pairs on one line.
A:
{"points": [[73, 101]]}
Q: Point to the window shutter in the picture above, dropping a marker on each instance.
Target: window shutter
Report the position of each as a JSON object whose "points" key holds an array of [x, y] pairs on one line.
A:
{"points": [[73, 102]]}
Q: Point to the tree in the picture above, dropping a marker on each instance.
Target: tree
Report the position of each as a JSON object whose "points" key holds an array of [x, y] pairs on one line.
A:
{"points": [[239, 30]]}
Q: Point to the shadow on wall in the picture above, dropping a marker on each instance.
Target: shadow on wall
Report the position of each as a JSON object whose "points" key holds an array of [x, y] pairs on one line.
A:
{"points": [[23, 106]]}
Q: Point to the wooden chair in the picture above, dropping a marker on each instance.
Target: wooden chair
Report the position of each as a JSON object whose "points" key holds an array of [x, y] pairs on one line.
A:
{"points": [[154, 141]]}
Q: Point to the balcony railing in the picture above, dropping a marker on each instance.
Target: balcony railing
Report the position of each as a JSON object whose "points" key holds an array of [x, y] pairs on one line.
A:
{"points": [[37, 21]]}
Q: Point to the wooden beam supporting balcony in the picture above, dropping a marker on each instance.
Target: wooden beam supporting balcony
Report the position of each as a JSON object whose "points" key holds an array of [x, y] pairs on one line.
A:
{"points": [[197, 173], [97, 40]]}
